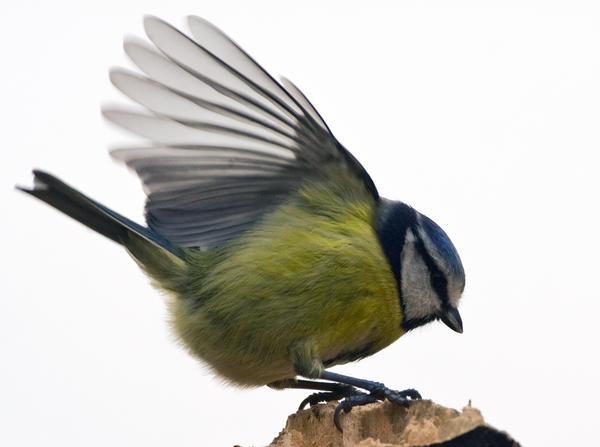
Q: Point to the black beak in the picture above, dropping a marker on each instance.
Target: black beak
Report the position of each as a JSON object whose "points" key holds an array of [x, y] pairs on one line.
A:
{"points": [[451, 318]]}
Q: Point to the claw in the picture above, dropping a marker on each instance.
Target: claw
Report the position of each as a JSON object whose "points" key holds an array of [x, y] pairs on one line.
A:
{"points": [[316, 398], [348, 403], [336, 417], [328, 396], [378, 393], [412, 394], [401, 397]]}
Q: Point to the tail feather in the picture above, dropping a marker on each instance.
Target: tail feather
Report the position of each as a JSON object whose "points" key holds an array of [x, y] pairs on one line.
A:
{"points": [[94, 215]]}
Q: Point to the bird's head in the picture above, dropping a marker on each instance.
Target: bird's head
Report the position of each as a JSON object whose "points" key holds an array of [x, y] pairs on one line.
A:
{"points": [[428, 270]]}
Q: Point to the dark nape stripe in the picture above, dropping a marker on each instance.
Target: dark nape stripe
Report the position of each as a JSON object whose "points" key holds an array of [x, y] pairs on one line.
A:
{"points": [[439, 282], [393, 221], [413, 323]]}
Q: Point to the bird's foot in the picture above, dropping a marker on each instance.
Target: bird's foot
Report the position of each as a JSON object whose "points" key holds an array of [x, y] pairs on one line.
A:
{"points": [[381, 392], [341, 391], [377, 392]]}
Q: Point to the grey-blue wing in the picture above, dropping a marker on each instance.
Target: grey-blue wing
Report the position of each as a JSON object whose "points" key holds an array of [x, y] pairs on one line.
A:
{"points": [[227, 143]]}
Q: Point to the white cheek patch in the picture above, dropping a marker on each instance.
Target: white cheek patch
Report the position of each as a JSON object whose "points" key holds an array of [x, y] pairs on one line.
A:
{"points": [[419, 299]]}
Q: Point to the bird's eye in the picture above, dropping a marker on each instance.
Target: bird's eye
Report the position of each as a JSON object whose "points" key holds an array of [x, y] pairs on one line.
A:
{"points": [[437, 275]]}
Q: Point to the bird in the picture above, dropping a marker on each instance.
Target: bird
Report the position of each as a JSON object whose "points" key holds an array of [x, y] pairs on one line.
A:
{"points": [[277, 254]]}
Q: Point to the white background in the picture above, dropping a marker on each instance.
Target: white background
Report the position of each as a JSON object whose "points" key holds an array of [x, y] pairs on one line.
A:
{"points": [[483, 115]]}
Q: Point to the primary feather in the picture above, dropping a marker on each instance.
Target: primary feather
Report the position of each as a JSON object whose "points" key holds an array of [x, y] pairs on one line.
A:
{"points": [[228, 142]]}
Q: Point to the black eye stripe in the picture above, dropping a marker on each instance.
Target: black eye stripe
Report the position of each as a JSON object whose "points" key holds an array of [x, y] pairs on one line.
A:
{"points": [[439, 282]]}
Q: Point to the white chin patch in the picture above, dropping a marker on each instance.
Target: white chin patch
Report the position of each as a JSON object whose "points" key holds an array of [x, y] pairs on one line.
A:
{"points": [[419, 299]]}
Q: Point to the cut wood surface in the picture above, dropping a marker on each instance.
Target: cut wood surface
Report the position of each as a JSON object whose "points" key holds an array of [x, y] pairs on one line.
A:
{"points": [[384, 424]]}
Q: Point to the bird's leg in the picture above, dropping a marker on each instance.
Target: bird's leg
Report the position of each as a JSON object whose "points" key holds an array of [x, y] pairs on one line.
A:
{"points": [[308, 364], [327, 391], [377, 391]]}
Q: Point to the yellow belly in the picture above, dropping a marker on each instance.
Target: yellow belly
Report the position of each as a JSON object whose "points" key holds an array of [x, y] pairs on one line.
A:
{"points": [[301, 286]]}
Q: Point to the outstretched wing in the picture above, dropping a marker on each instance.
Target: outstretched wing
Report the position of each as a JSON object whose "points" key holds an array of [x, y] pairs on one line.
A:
{"points": [[227, 143]]}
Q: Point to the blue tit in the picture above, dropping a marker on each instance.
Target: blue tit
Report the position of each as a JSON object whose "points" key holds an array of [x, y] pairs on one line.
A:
{"points": [[271, 240]]}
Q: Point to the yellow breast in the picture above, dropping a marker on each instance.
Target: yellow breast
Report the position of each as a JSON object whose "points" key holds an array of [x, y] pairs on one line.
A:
{"points": [[312, 276]]}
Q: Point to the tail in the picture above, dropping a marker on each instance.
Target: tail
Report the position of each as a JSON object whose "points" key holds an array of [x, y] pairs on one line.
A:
{"points": [[140, 241]]}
